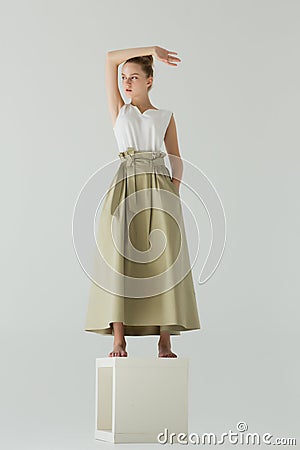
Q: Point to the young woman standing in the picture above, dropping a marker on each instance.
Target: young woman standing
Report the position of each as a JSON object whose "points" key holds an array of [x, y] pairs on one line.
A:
{"points": [[168, 305]]}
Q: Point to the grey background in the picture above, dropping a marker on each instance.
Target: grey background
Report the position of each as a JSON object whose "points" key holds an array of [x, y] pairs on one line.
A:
{"points": [[235, 98]]}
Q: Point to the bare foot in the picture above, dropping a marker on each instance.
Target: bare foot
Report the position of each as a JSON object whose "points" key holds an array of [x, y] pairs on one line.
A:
{"points": [[164, 351], [119, 350]]}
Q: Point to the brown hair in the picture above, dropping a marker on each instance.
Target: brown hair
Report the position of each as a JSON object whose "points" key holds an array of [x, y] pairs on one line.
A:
{"points": [[146, 63]]}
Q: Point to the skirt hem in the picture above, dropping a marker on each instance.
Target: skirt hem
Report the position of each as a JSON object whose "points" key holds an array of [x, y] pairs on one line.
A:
{"points": [[143, 330]]}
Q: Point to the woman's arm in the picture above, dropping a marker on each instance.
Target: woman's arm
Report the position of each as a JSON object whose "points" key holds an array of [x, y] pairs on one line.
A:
{"points": [[171, 144], [119, 56]]}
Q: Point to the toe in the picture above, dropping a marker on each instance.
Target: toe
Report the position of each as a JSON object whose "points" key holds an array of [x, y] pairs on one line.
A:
{"points": [[118, 353], [167, 355]]}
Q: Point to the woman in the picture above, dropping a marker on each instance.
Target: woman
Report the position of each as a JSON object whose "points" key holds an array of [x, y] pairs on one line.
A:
{"points": [[143, 185]]}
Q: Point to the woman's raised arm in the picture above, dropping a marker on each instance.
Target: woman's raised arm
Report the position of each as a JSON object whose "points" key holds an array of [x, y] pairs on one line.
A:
{"points": [[119, 56]]}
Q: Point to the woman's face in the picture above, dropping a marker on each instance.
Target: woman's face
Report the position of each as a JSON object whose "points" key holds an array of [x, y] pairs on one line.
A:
{"points": [[134, 80]]}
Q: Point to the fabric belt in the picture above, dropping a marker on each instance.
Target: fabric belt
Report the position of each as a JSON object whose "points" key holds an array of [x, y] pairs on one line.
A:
{"points": [[153, 157], [131, 154]]}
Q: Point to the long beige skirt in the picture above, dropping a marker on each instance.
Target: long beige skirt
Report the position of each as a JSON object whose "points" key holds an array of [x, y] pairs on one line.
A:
{"points": [[142, 275]]}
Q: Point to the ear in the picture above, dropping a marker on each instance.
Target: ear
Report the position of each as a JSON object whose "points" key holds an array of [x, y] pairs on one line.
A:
{"points": [[150, 81]]}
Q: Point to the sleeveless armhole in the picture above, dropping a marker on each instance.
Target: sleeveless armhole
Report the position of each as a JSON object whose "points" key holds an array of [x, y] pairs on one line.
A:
{"points": [[168, 119], [119, 114]]}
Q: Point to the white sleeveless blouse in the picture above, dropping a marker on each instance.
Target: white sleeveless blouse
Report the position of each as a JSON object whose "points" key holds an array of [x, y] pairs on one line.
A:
{"points": [[142, 131]]}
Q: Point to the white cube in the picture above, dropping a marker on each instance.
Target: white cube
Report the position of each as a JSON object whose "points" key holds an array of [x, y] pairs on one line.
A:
{"points": [[139, 398]]}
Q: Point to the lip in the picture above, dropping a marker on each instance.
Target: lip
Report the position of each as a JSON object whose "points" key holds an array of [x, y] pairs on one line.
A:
{"points": [[128, 90]]}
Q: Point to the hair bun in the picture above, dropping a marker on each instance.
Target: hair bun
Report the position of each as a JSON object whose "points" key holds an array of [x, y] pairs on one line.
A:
{"points": [[149, 58]]}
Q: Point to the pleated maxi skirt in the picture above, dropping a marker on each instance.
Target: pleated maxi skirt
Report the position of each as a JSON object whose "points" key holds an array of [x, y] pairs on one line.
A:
{"points": [[142, 275]]}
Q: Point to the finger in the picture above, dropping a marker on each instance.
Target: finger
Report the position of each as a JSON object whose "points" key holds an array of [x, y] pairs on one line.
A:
{"points": [[173, 58], [170, 62], [172, 53]]}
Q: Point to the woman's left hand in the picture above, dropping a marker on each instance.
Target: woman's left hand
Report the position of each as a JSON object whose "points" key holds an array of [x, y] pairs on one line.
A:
{"points": [[176, 183], [164, 55]]}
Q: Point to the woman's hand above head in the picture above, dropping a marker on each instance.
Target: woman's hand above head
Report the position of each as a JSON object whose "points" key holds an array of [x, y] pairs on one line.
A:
{"points": [[165, 56]]}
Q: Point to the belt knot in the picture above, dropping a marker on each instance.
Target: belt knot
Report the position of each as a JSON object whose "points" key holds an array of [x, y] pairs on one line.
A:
{"points": [[129, 151]]}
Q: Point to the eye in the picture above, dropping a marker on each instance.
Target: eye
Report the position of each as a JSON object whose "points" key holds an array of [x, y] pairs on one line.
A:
{"points": [[132, 77]]}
